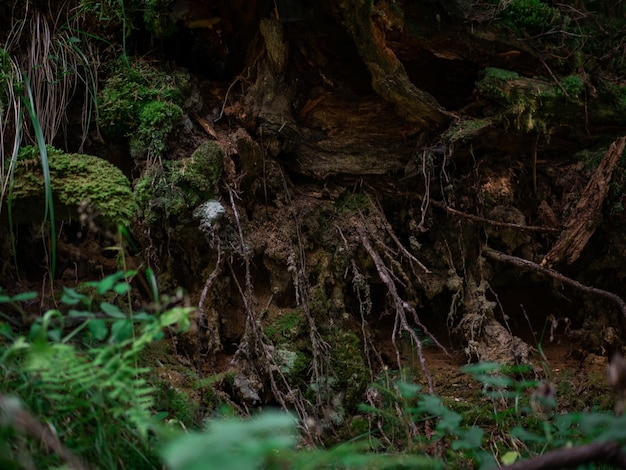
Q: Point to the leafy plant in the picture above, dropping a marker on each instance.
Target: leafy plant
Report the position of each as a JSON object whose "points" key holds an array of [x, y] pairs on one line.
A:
{"points": [[95, 399]]}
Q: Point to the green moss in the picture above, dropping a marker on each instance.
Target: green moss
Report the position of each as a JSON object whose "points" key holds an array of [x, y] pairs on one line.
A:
{"points": [[142, 102], [530, 16], [181, 185], [573, 86], [287, 327], [352, 372], [157, 17], [157, 120], [349, 203], [530, 104], [75, 178]]}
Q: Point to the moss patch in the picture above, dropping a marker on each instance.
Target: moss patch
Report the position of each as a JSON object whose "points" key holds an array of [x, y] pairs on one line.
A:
{"points": [[181, 185], [142, 103], [75, 178]]}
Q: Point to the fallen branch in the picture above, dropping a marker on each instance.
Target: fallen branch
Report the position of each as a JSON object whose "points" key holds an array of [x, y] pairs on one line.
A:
{"points": [[495, 223], [587, 214], [607, 452], [529, 265]]}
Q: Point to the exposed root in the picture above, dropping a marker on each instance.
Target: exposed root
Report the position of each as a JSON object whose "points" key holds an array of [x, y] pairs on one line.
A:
{"points": [[495, 223], [256, 348], [587, 214], [401, 306], [204, 345], [529, 265]]}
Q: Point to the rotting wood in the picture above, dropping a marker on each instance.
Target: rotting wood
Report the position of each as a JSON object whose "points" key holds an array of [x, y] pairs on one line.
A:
{"points": [[389, 78], [529, 265], [587, 214]]}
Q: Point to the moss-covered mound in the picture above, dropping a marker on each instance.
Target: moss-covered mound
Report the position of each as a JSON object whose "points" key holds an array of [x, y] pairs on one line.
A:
{"points": [[76, 178], [172, 192]]}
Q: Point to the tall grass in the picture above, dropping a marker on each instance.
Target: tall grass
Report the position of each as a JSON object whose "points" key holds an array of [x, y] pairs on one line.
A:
{"points": [[45, 61]]}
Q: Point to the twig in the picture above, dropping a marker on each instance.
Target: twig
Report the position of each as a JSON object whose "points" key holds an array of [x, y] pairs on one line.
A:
{"points": [[203, 323], [526, 264], [237, 78]]}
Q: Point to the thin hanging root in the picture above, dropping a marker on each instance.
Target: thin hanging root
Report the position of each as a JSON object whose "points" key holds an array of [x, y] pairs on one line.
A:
{"points": [[203, 322], [254, 344], [401, 307], [320, 349]]}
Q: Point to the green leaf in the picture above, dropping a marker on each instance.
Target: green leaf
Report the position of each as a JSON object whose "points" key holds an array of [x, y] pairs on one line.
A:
{"points": [[98, 328], [121, 330], [22, 296], [71, 297], [469, 439], [121, 288], [79, 314], [526, 436], [510, 457], [176, 315], [112, 310], [408, 390], [107, 283]]}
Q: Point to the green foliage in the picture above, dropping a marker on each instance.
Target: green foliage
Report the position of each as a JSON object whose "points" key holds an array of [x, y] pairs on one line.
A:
{"points": [[95, 399], [143, 101], [573, 86], [157, 120], [74, 178], [180, 186], [233, 443], [530, 16]]}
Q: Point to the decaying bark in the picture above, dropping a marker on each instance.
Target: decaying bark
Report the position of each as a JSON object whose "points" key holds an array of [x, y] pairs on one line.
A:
{"points": [[587, 214], [389, 78]]}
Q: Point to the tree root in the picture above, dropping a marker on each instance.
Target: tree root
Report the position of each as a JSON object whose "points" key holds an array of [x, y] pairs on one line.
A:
{"points": [[402, 307], [529, 265]]}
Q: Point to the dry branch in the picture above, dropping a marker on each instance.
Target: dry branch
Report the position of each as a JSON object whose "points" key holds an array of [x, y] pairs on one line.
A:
{"points": [[587, 214], [608, 452], [529, 265]]}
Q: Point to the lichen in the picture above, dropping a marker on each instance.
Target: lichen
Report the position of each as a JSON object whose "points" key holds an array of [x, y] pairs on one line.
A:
{"points": [[75, 178]]}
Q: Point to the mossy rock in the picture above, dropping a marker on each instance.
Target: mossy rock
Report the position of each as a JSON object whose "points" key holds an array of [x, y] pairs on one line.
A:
{"points": [[75, 178]]}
